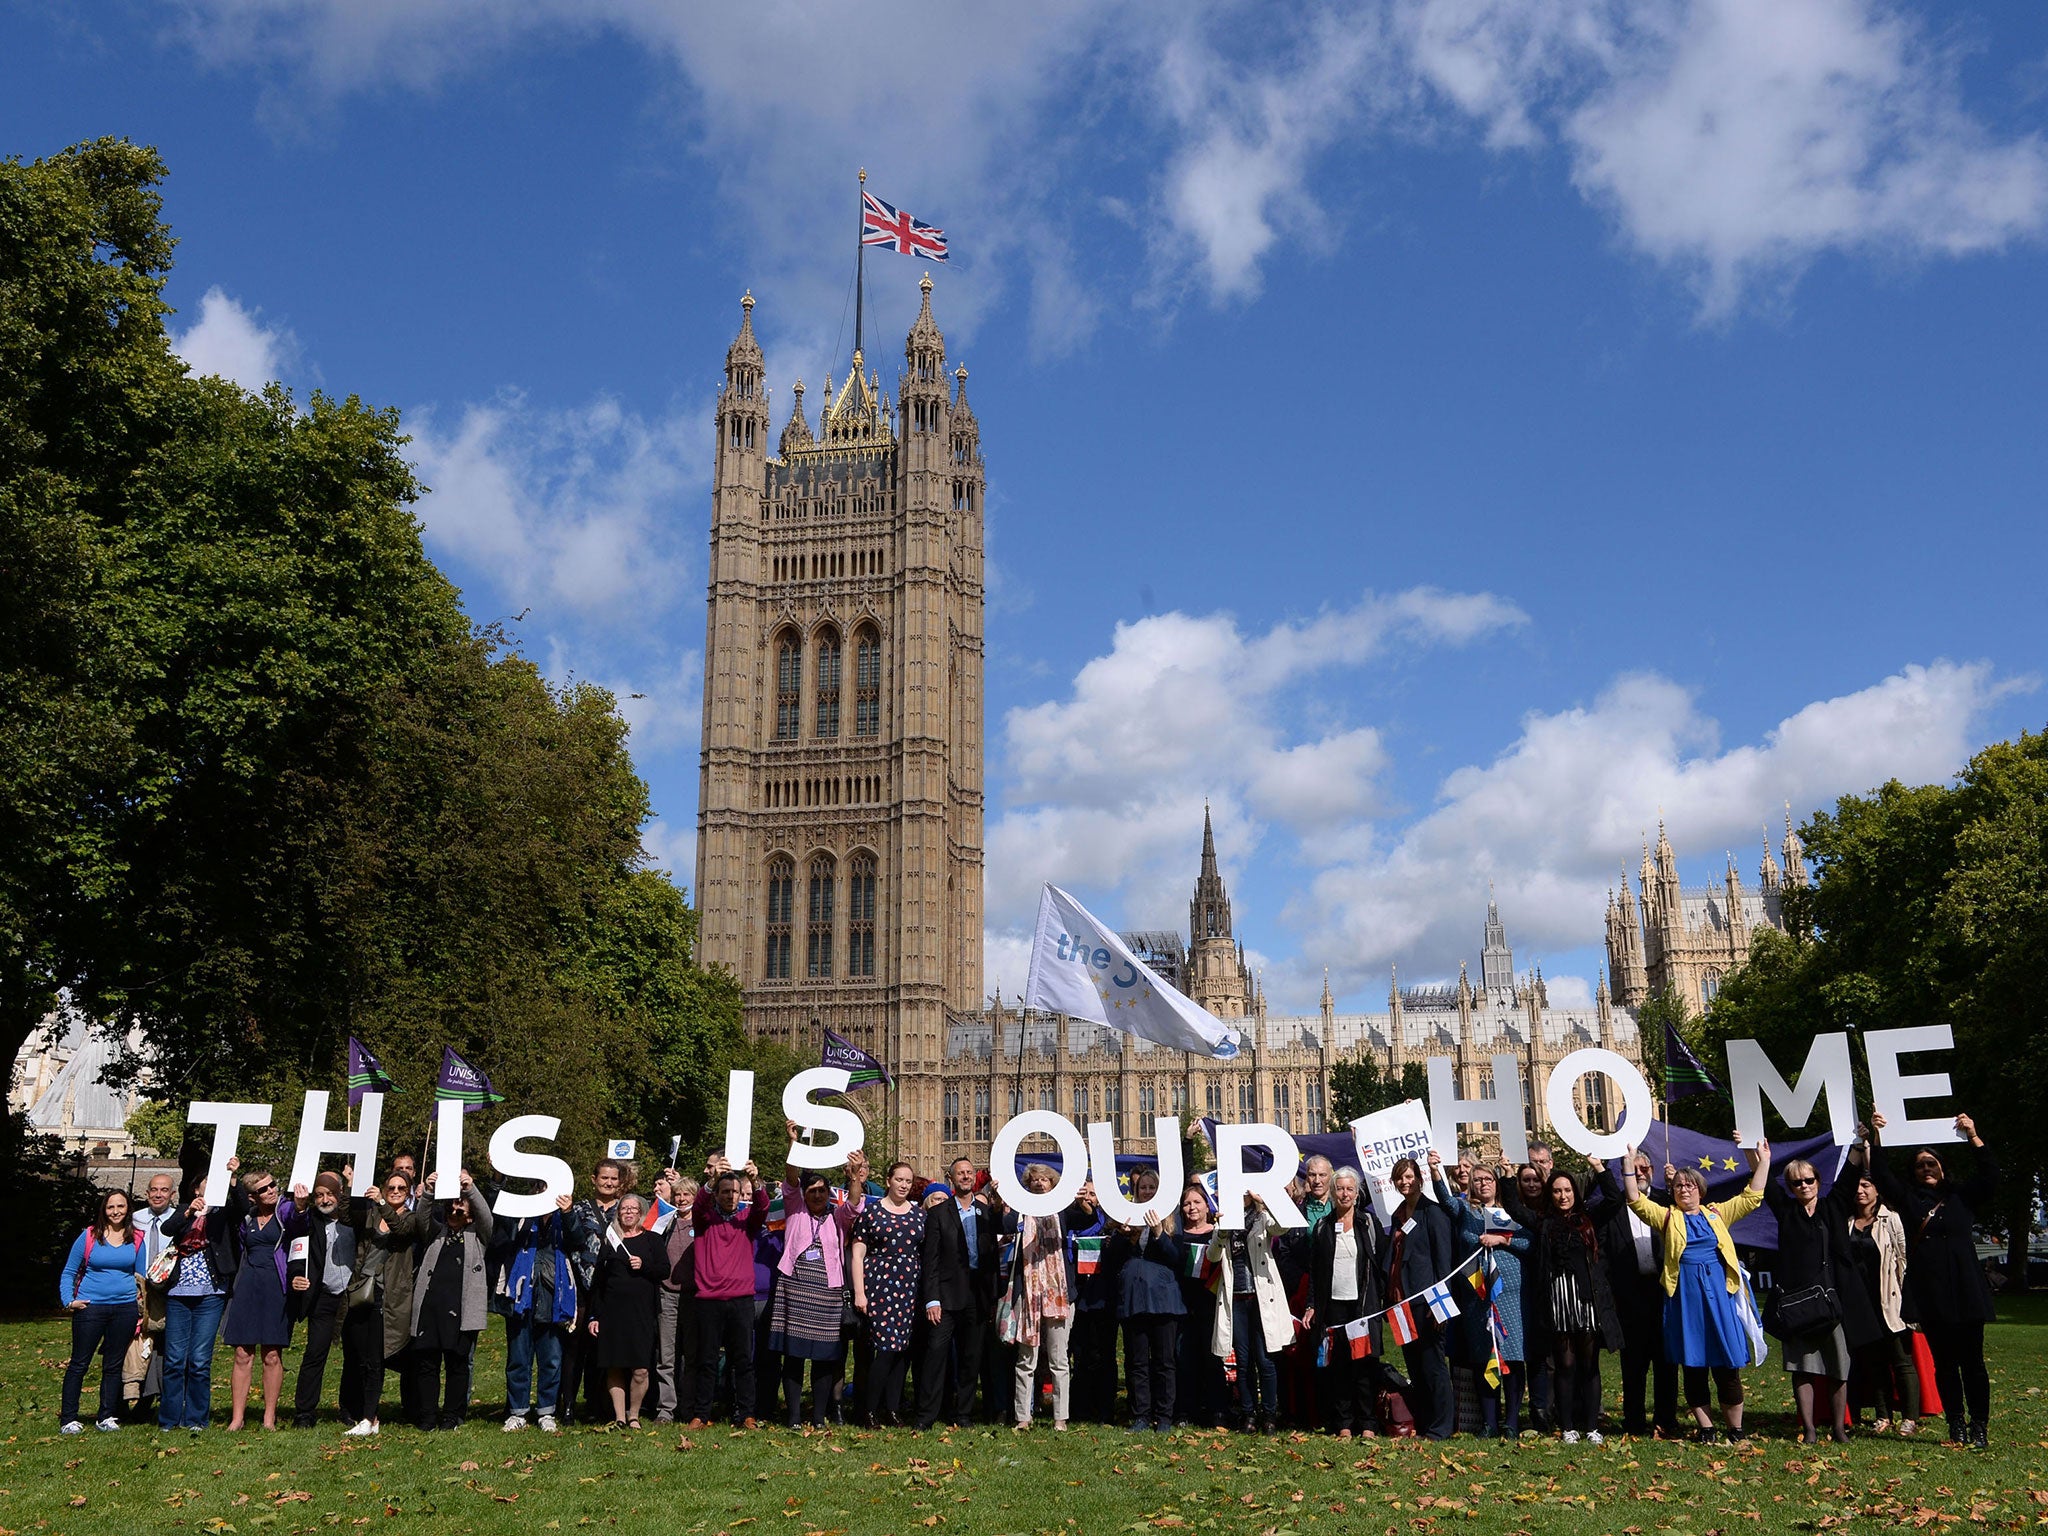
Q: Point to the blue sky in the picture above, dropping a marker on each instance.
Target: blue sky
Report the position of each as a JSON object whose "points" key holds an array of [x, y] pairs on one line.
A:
{"points": [[1437, 433]]}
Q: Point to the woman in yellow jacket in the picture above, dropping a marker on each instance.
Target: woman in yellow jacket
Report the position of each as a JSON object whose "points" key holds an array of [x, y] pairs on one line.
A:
{"points": [[1703, 1327]]}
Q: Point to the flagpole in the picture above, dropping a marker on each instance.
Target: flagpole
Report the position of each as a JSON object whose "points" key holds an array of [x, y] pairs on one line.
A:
{"points": [[860, 260]]}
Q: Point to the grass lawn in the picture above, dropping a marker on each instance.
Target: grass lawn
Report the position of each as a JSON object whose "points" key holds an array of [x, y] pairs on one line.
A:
{"points": [[989, 1481]]}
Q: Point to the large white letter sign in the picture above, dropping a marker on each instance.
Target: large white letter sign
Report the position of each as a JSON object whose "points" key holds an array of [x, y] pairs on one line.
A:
{"points": [[739, 1117], [1564, 1114], [556, 1176], [359, 1146], [1752, 1078], [448, 1114], [1234, 1181], [1002, 1162], [1889, 1090], [1447, 1111], [840, 1122], [1102, 1164], [230, 1118]]}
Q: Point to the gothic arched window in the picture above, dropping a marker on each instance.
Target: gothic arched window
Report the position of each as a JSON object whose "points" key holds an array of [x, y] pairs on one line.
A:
{"points": [[781, 909], [789, 681], [818, 921], [825, 709], [867, 682], [860, 917]]}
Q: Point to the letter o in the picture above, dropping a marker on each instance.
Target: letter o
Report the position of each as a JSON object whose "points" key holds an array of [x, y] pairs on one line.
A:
{"points": [[1002, 1162], [1564, 1114]]}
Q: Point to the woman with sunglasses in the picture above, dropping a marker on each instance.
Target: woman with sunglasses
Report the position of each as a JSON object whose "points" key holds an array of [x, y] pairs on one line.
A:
{"points": [[1947, 1295], [257, 1322], [1813, 1255]]}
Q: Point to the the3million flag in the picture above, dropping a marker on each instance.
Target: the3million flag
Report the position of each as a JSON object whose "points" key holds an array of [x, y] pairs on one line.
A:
{"points": [[459, 1080], [366, 1074]]}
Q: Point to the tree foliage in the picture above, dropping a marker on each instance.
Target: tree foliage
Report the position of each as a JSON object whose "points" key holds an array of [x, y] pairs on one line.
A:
{"points": [[1360, 1086], [262, 784]]}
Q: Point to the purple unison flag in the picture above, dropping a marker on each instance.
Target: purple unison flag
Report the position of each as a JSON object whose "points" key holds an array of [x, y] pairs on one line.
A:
{"points": [[861, 1068], [459, 1080], [365, 1074]]}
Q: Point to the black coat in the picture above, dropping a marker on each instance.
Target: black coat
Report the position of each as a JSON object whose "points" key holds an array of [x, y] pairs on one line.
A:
{"points": [[1638, 1298], [309, 1224], [1814, 1250], [1148, 1273], [1322, 1262], [223, 1233], [944, 1275], [1589, 1270], [1944, 1279], [1426, 1253]]}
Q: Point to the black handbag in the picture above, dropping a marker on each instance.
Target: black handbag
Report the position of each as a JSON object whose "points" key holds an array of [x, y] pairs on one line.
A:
{"points": [[1811, 1309]]}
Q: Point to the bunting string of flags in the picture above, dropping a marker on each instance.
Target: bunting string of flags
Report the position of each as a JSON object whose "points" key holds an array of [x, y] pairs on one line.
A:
{"points": [[1436, 1298]]}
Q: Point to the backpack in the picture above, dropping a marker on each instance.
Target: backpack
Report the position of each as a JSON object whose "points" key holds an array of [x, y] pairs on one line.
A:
{"points": [[92, 1235]]}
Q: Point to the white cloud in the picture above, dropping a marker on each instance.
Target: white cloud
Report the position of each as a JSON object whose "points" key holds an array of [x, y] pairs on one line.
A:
{"points": [[1556, 817], [232, 342], [672, 846], [1733, 140], [1105, 788], [572, 509]]}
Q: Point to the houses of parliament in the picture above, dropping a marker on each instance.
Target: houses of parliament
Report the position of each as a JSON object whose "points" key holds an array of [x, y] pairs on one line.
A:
{"points": [[840, 812]]}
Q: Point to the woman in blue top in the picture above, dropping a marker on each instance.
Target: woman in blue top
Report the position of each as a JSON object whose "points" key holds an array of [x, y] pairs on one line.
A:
{"points": [[101, 1285], [1489, 1327], [257, 1320]]}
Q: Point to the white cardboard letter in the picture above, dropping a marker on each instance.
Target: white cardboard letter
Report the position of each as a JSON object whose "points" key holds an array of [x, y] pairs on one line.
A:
{"points": [[557, 1177], [739, 1117], [1564, 1114], [1102, 1164], [448, 1114], [229, 1118], [1002, 1162], [1447, 1111], [1752, 1078], [359, 1146], [1234, 1182], [833, 1118], [1889, 1090]]}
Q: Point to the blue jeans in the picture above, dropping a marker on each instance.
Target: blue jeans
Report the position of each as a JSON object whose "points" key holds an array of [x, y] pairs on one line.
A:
{"points": [[191, 1324], [1254, 1365], [528, 1342]]}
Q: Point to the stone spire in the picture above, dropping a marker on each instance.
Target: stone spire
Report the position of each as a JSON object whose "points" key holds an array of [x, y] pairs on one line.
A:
{"points": [[1209, 912], [1496, 960], [1329, 1003], [1768, 873], [797, 433], [1795, 852]]}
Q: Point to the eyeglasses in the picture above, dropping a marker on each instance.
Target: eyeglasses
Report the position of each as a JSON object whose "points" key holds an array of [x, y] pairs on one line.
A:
{"points": [[265, 1189], [1795, 1182]]}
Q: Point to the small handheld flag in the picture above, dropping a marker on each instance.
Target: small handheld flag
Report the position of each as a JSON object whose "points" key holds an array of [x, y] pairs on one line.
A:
{"points": [[622, 1147], [660, 1217], [883, 225], [1683, 1072], [461, 1081], [861, 1068], [1087, 1255], [1495, 1369], [365, 1074]]}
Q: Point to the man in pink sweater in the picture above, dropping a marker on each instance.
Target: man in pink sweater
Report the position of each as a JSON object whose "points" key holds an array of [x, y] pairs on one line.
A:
{"points": [[724, 1250]]}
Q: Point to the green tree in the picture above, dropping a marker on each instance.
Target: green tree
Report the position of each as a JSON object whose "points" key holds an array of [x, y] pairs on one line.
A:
{"points": [[1360, 1086]]}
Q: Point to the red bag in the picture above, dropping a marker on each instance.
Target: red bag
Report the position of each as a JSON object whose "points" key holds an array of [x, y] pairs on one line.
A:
{"points": [[1395, 1419], [1930, 1393]]}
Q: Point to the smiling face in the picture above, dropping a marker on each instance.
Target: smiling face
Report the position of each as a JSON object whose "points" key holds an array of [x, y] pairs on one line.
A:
{"points": [[1344, 1195], [605, 1180], [961, 1174], [1194, 1208], [161, 1188], [114, 1209], [1144, 1185], [263, 1191], [817, 1197], [1866, 1197], [1407, 1181], [325, 1200], [1564, 1194], [396, 1189], [1315, 1177], [1926, 1169], [630, 1212], [1530, 1183]]}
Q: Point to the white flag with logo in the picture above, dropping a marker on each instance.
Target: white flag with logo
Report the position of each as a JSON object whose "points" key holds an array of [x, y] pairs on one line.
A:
{"points": [[1079, 967]]}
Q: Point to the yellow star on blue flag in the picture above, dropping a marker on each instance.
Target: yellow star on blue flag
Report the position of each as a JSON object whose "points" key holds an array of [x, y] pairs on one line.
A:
{"points": [[1707, 1163], [1730, 1164]]}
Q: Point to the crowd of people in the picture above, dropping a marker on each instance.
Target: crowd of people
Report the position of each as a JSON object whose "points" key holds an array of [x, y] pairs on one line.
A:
{"points": [[1502, 1289]]}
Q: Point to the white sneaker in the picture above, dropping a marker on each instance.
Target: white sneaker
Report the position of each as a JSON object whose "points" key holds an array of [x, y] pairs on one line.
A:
{"points": [[361, 1427], [108, 1425], [1594, 1437], [547, 1424], [73, 1428], [1571, 1437], [514, 1421]]}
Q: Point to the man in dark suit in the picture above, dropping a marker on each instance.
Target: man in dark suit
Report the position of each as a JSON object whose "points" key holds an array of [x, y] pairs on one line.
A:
{"points": [[1635, 1273], [958, 1284]]}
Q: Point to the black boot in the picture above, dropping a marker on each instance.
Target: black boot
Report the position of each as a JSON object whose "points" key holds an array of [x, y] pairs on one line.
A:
{"points": [[1980, 1440]]}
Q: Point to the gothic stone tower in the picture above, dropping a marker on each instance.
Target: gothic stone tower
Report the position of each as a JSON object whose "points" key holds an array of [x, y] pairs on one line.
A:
{"points": [[1216, 972], [839, 822]]}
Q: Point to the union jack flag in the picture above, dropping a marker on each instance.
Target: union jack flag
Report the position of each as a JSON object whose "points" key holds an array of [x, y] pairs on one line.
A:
{"points": [[883, 225]]}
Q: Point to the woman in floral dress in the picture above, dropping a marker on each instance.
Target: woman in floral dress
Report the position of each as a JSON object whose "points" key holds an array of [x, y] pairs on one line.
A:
{"points": [[887, 1238]]}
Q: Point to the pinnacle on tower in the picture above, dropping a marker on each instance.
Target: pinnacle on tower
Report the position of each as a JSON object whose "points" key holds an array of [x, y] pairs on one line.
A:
{"points": [[797, 432]]}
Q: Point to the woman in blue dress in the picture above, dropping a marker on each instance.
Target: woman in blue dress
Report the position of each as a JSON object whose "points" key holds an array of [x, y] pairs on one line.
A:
{"points": [[1704, 1328], [888, 1238], [1495, 1322], [256, 1319]]}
